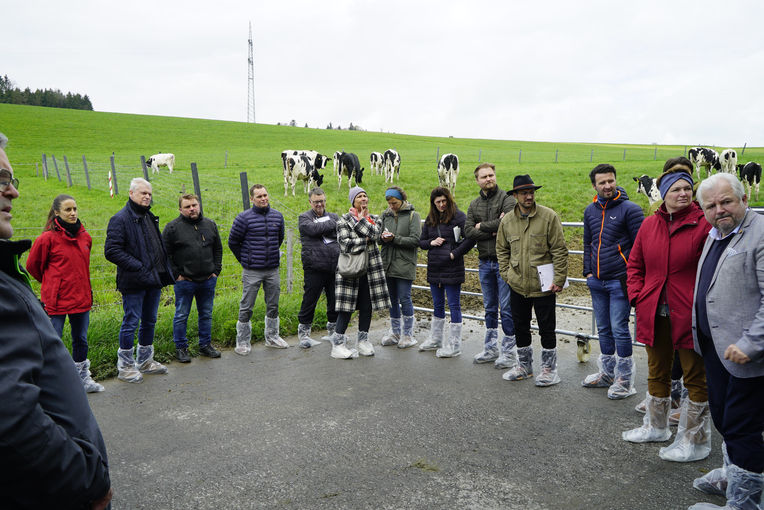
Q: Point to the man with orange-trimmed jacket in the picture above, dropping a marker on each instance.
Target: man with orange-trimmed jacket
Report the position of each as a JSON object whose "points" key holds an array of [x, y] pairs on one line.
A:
{"points": [[611, 223]]}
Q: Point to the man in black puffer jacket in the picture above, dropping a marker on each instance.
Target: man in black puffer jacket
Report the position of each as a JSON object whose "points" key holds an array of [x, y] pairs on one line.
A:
{"points": [[320, 251]]}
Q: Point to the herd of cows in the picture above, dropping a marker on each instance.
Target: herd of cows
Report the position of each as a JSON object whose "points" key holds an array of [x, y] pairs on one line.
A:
{"points": [[304, 165], [711, 161]]}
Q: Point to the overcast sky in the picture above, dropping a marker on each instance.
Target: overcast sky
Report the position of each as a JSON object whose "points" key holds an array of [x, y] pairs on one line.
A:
{"points": [[683, 72]]}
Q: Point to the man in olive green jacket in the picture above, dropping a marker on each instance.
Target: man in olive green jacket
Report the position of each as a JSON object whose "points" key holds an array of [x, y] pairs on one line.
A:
{"points": [[529, 238]]}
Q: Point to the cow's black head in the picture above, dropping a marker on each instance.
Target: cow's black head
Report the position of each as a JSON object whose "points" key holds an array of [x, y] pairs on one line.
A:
{"points": [[149, 161], [359, 175], [318, 178]]}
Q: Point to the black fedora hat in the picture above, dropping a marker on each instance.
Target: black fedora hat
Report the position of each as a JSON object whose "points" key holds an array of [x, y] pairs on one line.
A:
{"points": [[522, 182]]}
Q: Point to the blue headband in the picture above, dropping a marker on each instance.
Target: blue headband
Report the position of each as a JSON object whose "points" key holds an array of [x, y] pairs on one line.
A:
{"points": [[670, 179], [392, 192]]}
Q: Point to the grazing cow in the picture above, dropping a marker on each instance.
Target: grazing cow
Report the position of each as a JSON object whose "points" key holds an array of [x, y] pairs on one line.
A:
{"points": [[376, 163], [448, 171], [728, 161], [336, 159], [750, 174], [317, 160], [392, 165], [299, 168], [701, 156], [350, 166], [646, 185], [161, 159]]}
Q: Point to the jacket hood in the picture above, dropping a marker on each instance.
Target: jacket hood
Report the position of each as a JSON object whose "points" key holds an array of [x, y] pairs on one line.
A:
{"points": [[620, 196], [405, 207]]}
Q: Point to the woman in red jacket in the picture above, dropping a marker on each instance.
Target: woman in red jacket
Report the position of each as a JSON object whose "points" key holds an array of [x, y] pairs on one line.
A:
{"points": [[660, 280], [60, 260]]}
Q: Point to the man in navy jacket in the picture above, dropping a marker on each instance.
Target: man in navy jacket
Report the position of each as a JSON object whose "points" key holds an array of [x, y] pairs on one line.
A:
{"points": [[255, 238], [52, 454], [611, 223], [134, 244]]}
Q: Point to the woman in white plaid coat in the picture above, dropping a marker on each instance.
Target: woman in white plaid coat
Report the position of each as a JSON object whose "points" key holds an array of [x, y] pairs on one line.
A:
{"points": [[359, 231]]}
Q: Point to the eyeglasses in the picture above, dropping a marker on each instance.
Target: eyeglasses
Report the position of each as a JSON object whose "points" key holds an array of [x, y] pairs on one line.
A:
{"points": [[316, 202], [6, 180]]}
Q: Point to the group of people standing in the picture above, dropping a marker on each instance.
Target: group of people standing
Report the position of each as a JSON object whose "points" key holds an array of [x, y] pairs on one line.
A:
{"points": [[693, 271]]}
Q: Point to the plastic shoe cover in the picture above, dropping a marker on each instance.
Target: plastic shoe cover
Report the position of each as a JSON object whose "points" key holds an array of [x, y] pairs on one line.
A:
{"points": [[83, 368], [303, 333], [243, 336], [640, 408], [393, 335], [677, 391], [508, 356], [330, 327], [339, 350], [548, 375], [146, 363], [272, 338], [452, 346], [715, 481], [743, 490], [364, 346], [624, 379], [693, 437], [407, 336], [127, 371], [436, 335], [490, 350], [655, 423], [604, 378], [524, 367]]}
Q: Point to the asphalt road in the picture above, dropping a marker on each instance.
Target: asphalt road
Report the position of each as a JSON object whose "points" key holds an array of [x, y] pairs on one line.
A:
{"points": [[297, 429]]}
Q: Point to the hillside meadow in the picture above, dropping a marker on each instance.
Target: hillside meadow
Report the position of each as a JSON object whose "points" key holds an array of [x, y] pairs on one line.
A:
{"points": [[222, 150]]}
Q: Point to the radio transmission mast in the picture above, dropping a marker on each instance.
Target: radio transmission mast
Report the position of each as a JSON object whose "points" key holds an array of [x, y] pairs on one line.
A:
{"points": [[251, 81]]}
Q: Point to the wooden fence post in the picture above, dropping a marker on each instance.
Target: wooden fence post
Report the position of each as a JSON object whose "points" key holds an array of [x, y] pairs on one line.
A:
{"points": [[744, 146], [45, 166], [556, 153], [244, 190], [480, 153], [114, 175], [624, 154], [143, 166], [591, 156], [85, 166], [197, 189], [520, 156], [55, 165], [655, 154], [68, 173]]}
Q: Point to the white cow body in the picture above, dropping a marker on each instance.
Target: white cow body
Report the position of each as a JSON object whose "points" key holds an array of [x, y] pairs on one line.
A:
{"points": [[299, 168], [646, 185], [376, 163], [161, 159], [392, 165], [336, 159], [750, 174], [349, 166], [728, 161], [448, 171], [704, 157], [317, 160]]}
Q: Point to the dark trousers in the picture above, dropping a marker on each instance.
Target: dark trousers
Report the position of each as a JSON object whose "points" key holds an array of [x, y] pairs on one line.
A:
{"points": [[737, 408], [545, 316], [316, 282], [363, 305]]}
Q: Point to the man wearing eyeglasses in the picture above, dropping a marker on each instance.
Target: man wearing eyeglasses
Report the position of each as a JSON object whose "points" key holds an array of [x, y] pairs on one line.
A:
{"points": [[52, 454], [320, 251]]}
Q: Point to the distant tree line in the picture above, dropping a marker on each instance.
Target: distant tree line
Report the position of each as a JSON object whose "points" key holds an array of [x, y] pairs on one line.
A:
{"points": [[41, 97], [351, 127]]}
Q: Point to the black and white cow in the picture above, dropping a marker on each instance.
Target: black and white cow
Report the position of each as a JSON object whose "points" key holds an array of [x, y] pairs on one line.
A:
{"points": [[728, 161], [336, 159], [448, 171], [750, 174], [646, 185], [317, 160], [701, 156], [161, 159], [392, 165], [376, 163], [299, 168], [350, 167]]}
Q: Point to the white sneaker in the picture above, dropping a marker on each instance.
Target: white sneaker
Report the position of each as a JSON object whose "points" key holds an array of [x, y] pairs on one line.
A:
{"points": [[341, 352]]}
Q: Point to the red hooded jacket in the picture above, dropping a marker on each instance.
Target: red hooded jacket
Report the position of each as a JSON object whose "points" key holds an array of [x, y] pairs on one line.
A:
{"points": [[62, 264], [666, 253]]}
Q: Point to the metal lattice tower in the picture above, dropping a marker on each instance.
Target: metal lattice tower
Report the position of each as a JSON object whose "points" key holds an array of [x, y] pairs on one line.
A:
{"points": [[251, 80]]}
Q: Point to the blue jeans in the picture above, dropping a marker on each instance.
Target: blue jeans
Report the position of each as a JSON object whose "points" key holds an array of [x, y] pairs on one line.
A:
{"points": [[495, 297], [439, 294], [185, 292], [611, 310], [400, 297], [140, 308], [79, 323]]}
